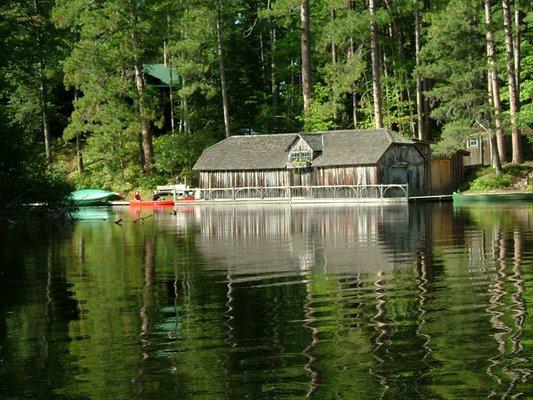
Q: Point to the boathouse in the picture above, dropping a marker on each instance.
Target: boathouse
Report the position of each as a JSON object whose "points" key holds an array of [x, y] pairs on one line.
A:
{"points": [[342, 158]]}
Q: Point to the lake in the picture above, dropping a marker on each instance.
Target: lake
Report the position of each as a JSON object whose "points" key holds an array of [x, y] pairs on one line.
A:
{"points": [[425, 301]]}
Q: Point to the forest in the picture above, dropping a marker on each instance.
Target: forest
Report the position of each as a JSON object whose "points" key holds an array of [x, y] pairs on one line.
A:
{"points": [[79, 108]]}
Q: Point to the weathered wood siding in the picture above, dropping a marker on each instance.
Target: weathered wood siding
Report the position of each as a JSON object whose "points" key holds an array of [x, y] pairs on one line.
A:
{"points": [[350, 175], [229, 179], [441, 176], [446, 174], [302, 177], [405, 164], [399, 164], [479, 152]]}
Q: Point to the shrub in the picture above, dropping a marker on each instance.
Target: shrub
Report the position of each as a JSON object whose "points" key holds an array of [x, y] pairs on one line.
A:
{"points": [[486, 179]]}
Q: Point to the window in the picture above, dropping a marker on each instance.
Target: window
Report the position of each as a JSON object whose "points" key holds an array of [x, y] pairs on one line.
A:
{"points": [[300, 155], [472, 142]]}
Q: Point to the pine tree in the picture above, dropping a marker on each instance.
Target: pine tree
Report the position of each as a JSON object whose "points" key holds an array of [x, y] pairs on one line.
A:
{"points": [[454, 57], [115, 108], [376, 67], [307, 87], [511, 82], [35, 72]]}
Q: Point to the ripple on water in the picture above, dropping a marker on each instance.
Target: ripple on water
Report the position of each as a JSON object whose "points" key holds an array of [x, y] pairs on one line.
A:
{"points": [[428, 301]]}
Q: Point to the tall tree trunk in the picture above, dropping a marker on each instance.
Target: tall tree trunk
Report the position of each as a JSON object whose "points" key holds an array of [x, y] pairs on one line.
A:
{"points": [[495, 155], [42, 81], [167, 59], [349, 54], [511, 82], [225, 104], [171, 100], [354, 111], [293, 84], [419, 83], [44, 112], [518, 20], [262, 59], [79, 154], [333, 45], [146, 135], [334, 61], [168, 64], [273, 80], [306, 55], [184, 110], [376, 84], [495, 84], [493, 143], [426, 85]]}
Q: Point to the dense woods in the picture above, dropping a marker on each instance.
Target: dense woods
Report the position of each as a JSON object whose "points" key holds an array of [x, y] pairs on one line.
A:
{"points": [[76, 98]]}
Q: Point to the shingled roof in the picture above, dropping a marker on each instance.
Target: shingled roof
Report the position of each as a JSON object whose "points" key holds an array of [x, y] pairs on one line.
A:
{"points": [[347, 147], [314, 140]]}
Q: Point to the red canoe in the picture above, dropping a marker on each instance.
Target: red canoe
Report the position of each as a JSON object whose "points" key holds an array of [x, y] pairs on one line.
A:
{"points": [[157, 203], [187, 198]]}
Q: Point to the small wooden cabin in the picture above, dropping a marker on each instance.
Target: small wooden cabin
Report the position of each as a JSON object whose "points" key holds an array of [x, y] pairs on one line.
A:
{"points": [[478, 148], [479, 151], [347, 157]]}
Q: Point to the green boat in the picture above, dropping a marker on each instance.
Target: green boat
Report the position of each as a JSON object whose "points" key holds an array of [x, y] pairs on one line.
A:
{"points": [[460, 198], [92, 197]]}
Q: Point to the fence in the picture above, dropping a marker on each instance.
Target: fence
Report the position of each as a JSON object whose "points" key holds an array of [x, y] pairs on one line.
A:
{"points": [[288, 193]]}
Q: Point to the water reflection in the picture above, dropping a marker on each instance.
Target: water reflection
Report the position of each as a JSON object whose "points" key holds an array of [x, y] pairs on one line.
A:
{"points": [[255, 242], [327, 302]]}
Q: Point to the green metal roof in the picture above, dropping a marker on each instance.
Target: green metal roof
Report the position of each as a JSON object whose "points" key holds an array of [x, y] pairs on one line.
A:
{"points": [[161, 73]]}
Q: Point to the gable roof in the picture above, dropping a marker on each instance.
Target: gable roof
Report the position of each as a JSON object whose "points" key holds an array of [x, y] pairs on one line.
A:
{"points": [[357, 147], [247, 152], [343, 147], [161, 74], [314, 140]]}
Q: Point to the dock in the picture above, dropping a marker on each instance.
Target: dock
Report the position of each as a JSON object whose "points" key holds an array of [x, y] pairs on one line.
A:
{"points": [[324, 194], [437, 197]]}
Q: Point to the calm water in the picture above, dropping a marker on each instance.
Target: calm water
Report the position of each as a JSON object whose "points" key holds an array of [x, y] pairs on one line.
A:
{"points": [[331, 302]]}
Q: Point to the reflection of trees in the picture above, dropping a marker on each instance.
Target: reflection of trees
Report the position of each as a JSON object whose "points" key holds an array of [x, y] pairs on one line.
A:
{"points": [[519, 304], [35, 308], [482, 291], [380, 325], [314, 234], [310, 323], [330, 302]]}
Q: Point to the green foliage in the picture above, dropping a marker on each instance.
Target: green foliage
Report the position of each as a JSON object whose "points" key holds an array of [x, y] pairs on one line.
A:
{"points": [[28, 184], [73, 62], [453, 137], [29, 76], [300, 162], [180, 152], [525, 116], [486, 179], [454, 57], [322, 111]]}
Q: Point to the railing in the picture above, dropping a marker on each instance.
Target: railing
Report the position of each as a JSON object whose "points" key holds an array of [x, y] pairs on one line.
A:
{"points": [[392, 191]]}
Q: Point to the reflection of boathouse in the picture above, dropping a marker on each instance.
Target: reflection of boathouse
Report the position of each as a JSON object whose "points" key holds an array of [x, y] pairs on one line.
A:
{"points": [[327, 159], [279, 240]]}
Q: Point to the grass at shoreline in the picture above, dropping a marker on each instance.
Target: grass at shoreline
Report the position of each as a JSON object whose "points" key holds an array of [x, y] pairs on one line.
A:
{"points": [[514, 178]]}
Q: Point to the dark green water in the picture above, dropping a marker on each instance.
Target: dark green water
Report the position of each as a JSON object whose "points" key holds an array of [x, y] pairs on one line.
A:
{"points": [[332, 302]]}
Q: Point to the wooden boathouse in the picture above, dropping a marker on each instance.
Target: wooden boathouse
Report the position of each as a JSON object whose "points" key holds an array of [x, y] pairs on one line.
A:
{"points": [[374, 163]]}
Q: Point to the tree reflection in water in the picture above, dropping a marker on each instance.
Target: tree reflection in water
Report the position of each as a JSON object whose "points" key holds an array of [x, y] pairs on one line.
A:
{"points": [[329, 302]]}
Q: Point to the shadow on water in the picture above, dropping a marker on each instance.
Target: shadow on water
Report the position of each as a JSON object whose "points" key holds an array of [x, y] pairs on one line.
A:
{"points": [[331, 302]]}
